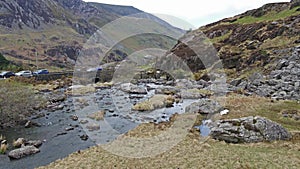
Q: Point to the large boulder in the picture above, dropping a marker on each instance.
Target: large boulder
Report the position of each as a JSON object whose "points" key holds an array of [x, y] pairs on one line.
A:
{"points": [[22, 152], [133, 89], [35, 143], [155, 102], [194, 93], [204, 106], [248, 130]]}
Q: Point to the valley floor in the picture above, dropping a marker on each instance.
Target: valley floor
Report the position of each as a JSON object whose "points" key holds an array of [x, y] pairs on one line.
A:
{"points": [[198, 152]]}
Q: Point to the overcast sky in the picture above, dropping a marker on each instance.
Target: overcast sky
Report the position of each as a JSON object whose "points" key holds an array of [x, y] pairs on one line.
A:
{"points": [[194, 12]]}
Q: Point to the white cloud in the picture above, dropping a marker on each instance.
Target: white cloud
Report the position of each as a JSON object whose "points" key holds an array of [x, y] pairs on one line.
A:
{"points": [[196, 12]]}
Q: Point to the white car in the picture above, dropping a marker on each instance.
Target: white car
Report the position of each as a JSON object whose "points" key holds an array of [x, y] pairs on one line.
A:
{"points": [[94, 69], [24, 73]]}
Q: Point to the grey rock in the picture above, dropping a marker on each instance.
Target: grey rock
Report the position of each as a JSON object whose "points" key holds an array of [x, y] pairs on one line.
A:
{"points": [[58, 98], [169, 83], [60, 134], [93, 127], [203, 83], [29, 124], [74, 117], [35, 143], [133, 89], [272, 82], [243, 85], [281, 64], [22, 152], [190, 94], [204, 106], [69, 128], [264, 91], [166, 90], [185, 83], [256, 76], [83, 121], [235, 82], [84, 137], [257, 82], [248, 130], [279, 95], [297, 85]]}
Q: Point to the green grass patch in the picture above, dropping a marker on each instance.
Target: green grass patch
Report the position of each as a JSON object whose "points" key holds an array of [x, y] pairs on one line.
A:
{"points": [[221, 38], [279, 42], [271, 16]]}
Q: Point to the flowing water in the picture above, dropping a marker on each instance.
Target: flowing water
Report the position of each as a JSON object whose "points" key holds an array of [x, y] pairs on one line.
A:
{"points": [[58, 143]]}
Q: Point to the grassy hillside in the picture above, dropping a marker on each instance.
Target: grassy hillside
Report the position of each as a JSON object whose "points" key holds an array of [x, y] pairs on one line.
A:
{"points": [[252, 40], [7, 65]]}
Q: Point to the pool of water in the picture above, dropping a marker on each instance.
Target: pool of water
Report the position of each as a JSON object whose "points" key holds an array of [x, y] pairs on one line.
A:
{"points": [[204, 128]]}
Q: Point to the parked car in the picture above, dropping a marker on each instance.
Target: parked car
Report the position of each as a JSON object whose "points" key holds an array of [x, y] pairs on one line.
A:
{"points": [[25, 73], [6, 74], [94, 69], [41, 72]]}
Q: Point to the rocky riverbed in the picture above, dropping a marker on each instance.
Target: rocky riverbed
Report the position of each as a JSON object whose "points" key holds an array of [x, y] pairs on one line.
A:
{"points": [[75, 121], [81, 116]]}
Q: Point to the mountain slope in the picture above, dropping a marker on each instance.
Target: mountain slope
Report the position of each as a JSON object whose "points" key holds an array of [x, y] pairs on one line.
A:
{"points": [[250, 41], [117, 9], [51, 33]]}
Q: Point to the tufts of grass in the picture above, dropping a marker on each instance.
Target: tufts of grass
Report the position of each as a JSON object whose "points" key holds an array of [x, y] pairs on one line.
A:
{"points": [[155, 102], [97, 116], [18, 143], [82, 90], [2, 137], [3, 148], [279, 42]]}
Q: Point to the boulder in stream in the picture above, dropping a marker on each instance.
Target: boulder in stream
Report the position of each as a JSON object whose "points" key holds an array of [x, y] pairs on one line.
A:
{"points": [[22, 152], [35, 143], [133, 89]]}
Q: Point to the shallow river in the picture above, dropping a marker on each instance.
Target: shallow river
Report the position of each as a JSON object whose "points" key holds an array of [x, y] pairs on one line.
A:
{"points": [[59, 143]]}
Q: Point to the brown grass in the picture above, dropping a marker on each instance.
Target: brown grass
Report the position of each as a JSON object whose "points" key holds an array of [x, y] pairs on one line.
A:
{"points": [[17, 101], [3, 148], [97, 115], [155, 102], [193, 152]]}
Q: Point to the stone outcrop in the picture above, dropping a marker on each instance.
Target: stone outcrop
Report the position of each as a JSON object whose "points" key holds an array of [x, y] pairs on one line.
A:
{"points": [[248, 130], [282, 83]]}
